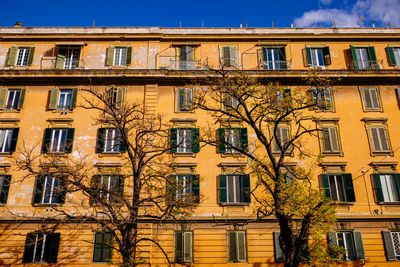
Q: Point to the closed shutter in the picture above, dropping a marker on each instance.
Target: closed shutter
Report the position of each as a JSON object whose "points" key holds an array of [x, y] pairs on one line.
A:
{"points": [[21, 99], [348, 187], [332, 238], [392, 58], [279, 256], [371, 99], [107, 246], [222, 189], [375, 98], [187, 246], [325, 185], [241, 244], [328, 99], [47, 140], [245, 192], [283, 138], [379, 139], [3, 97], [378, 188], [196, 187], [100, 140], [120, 97], [185, 96], [38, 191], [232, 246], [51, 247], [330, 140], [383, 139], [334, 139], [179, 247], [70, 140], [128, 55], [102, 247], [326, 143], [12, 56], [5, 181], [30, 56], [233, 55], [60, 61], [14, 140], [29, 247], [244, 143], [195, 140], [54, 97], [221, 140], [110, 56], [308, 56], [354, 56], [74, 97], [327, 55], [389, 249], [173, 140], [359, 246], [226, 56]]}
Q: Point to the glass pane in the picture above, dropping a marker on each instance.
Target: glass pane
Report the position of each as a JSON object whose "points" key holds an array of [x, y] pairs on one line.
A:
{"points": [[39, 248], [63, 140], [340, 188], [47, 190], [332, 184], [55, 191], [55, 143], [392, 189], [237, 189], [396, 52], [350, 246]]}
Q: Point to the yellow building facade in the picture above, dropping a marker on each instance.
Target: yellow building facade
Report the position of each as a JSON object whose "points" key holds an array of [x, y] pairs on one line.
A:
{"points": [[43, 72]]}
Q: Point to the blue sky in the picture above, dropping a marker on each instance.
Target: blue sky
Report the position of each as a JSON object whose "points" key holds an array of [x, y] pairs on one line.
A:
{"points": [[345, 13]]}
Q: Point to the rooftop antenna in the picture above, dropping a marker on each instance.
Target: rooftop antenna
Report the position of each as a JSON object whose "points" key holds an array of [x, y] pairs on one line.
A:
{"points": [[246, 23], [291, 25], [180, 24], [315, 24], [241, 25], [94, 23], [373, 25], [389, 24], [272, 24], [202, 23], [334, 24]]}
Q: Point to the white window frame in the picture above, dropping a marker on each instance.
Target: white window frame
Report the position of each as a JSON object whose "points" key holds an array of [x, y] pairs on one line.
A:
{"points": [[7, 138], [65, 93], [389, 191], [232, 135], [334, 188], [396, 249], [52, 190], [396, 55], [13, 105], [314, 51], [380, 143], [345, 241], [236, 188], [22, 56], [184, 140], [106, 187], [362, 62], [184, 187], [112, 142], [60, 146], [120, 54]]}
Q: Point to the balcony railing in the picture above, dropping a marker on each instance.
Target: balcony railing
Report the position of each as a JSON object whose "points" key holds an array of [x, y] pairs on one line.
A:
{"points": [[183, 65], [366, 64], [274, 65]]}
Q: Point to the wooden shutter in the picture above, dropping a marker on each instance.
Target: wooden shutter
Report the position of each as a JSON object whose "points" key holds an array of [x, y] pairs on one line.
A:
{"points": [[5, 187], [283, 138], [70, 140], [3, 97], [38, 191], [123, 146], [265, 57], [110, 56], [279, 256], [128, 55], [359, 246], [244, 143], [326, 143], [378, 188], [332, 138], [51, 247], [14, 139], [348, 187], [397, 90], [195, 140], [102, 249], [21, 99], [187, 246], [389, 249], [233, 56], [30, 55], [245, 192], [173, 140], [12, 56], [375, 98], [397, 177], [332, 238], [308, 56], [29, 248], [74, 97], [372, 55], [354, 56], [179, 247], [392, 58], [196, 187], [47, 140], [226, 56], [232, 246], [60, 61], [383, 138], [221, 140], [222, 189], [54, 98], [325, 185], [327, 55], [241, 244], [120, 97], [100, 140], [282, 58], [328, 99], [371, 98], [107, 243]]}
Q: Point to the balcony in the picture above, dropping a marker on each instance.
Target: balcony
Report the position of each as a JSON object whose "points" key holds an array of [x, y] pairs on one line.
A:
{"points": [[366, 64], [54, 63], [274, 65], [174, 64]]}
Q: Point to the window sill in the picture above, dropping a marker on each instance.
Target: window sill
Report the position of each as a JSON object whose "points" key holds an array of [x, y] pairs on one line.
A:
{"points": [[345, 203], [109, 154], [394, 203], [234, 204], [339, 154], [185, 154], [118, 67], [10, 110], [376, 154], [232, 154], [62, 111], [5, 154], [47, 205]]}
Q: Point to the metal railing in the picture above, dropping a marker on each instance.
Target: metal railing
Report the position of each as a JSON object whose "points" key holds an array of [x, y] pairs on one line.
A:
{"points": [[183, 65], [366, 64], [274, 65]]}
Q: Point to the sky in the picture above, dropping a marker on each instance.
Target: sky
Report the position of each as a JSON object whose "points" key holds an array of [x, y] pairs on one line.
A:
{"points": [[205, 13]]}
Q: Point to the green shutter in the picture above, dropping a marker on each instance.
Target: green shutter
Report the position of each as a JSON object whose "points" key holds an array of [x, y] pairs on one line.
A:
{"points": [[3, 96], [325, 185], [372, 55], [359, 246], [38, 191], [232, 245], [62, 191], [279, 256], [110, 56], [308, 56], [222, 189], [348, 187], [354, 55], [397, 90], [244, 143], [95, 187], [397, 177], [392, 58], [282, 58], [196, 187], [12, 56], [54, 97], [195, 140], [389, 249], [245, 193], [70, 140], [30, 56], [100, 140], [47, 140], [327, 55], [173, 140], [60, 62], [226, 56], [128, 55], [179, 247], [122, 144], [74, 97], [5, 187], [221, 140], [265, 57], [378, 188], [21, 98], [14, 140], [52, 247], [29, 247], [332, 238], [187, 246]]}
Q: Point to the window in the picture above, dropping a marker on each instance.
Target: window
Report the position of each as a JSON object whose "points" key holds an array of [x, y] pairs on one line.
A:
{"points": [[109, 141], [391, 240], [5, 181], [58, 140], [338, 187], [364, 57], [229, 56], [394, 55], [8, 140], [185, 140], [387, 187], [282, 134], [63, 99], [186, 57], [119, 56], [68, 57], [351, 242], [330, 140], [322, 98], [109, 188], [183, 247], [379, 139], [234, 188], [371, 99], [116, 96], [280, 257], [184, 99], [237, 247], [41, 247], [49, 190], [102, 247], [230, 102], [274, 58], [185, 187], [229, 139], [20, 56], [318, 56]]}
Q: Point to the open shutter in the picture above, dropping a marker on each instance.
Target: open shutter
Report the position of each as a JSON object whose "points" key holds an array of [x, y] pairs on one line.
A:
{"points": [[70, 140], [120, 97], [195, 140], [244, 143], [38, 191], [53, 244], [327, 55], [348, 187], [332, 238], [233, 56], [187, 246], [282, 58], [265, 57], [62, 191], [122, 144], [354, 56], [110, 56], [389, 249], [30, 56], [241, 240], [392, 58], [232, 246], [14, 140], [60, 61], [12, 56], [279, 256], [4, 186], [222, 189], [173, 140], [178, 247], [334, 139], [397, 90], [47, 140], [226, 56], [100, 140], [29, 248], [372, 55], [128, 55], [325, 185], [3, 97], [359, 246], [245, 186], [397, 177], [74, 97], [54, 96], [378, 188], [221, 140], [308, 56], [196, 187], [21, 99]]}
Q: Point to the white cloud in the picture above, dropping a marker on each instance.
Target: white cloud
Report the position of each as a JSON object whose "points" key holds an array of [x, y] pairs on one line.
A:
{"points": [[325, 2], [382, 11], [326, 17]]}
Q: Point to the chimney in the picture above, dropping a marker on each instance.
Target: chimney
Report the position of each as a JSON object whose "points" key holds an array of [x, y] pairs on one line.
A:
{"points": [[18, 24]]}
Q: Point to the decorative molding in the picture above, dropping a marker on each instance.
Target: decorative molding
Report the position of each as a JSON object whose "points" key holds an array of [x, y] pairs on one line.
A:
{"points": [[60, 122], [332, 166], [384, 166], [377, 119], [9, 122]]}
